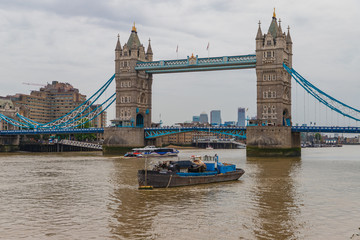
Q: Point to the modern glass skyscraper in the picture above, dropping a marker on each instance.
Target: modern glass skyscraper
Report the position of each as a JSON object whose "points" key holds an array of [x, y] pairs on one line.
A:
{"points": [[215, 117], [241, 117], [204, 118], [196, 119]]}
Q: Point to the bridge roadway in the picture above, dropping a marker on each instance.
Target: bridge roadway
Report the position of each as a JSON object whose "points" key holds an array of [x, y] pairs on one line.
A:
{"points": [[157, 132]]}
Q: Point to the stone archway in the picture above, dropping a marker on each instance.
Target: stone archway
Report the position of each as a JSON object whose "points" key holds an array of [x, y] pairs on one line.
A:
{"points": [[139, 120]]}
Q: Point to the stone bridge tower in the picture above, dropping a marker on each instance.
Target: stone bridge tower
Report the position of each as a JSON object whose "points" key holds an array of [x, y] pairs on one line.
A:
{"points": [[273, 81], [272, 136], [133, 97], [133, 88]]}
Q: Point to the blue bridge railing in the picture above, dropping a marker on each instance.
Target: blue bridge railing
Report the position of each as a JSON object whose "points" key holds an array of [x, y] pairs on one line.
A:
{"points": [[325, 129], [52, 131], [158, 132]]}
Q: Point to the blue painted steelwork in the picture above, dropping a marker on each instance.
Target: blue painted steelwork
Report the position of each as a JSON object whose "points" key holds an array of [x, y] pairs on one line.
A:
{"points": [[325, 129], [200, 64], [52, 131], [241, 131], [73, 119], [93, 114], [14, 122], [323, 97], [158, 132], [64, 120]]}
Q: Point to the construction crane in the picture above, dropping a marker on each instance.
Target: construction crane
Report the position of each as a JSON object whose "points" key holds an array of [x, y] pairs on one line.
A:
{"points": [[34, 84]]}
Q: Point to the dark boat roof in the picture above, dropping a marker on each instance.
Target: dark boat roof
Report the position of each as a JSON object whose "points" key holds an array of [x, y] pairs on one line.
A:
{"points": [[183, 163]]}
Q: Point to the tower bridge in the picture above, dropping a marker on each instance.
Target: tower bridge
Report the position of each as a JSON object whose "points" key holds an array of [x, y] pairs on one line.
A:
{"points": [[134, 70], [272, 135]]}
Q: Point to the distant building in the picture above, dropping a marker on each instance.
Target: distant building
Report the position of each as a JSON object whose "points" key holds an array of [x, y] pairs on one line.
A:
{"points": [[196, 119], [215, 117], [241, 117], [52, 102], [7, 109], [204, 118], [229, 124], [99, 121]]}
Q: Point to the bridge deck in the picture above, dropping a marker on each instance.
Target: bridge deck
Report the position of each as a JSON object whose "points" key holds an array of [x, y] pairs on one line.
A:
{"points": [[157, 132]]}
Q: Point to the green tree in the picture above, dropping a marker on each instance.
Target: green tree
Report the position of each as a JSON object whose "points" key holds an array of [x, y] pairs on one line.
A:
{"points": [[318, 137], [85, 136]]}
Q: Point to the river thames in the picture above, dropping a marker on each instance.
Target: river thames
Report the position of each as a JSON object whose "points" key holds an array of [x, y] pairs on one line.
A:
{"points": [[90, 196]]}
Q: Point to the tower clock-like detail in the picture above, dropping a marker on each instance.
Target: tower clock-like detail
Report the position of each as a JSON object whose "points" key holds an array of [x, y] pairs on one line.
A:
{"points": [[273, 82]]}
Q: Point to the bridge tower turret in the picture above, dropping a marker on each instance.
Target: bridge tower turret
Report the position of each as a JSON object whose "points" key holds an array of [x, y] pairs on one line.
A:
{"points": [[273, 81], [133, 89], [133, 97], [272, 136]]}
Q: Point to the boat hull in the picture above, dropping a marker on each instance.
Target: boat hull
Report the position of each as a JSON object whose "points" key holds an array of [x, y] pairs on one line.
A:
{"points": [[158, 179]]}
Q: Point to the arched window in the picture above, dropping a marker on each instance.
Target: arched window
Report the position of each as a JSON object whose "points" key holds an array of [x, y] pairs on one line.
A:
{"points": [[142, 98], [139, 120]]}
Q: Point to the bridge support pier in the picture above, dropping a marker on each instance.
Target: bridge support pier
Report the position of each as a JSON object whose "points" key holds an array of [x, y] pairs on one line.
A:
{"points": [[271, 141], [119, 140], [9, 143]]}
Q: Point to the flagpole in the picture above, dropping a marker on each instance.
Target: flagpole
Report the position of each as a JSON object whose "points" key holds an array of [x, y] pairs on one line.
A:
{"points": [[208, 49], [177, 51]]}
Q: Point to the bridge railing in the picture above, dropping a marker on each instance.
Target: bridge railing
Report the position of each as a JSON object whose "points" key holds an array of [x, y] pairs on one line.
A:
{"points": [[81, 144], [333, 129], [158, 132], [52, 131]]}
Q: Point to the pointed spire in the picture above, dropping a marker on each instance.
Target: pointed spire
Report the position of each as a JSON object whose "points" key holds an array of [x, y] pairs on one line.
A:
{"points": [[288, 37], [273, 27], [118, 45], [259, 33], [133, 42], [149, 50], [279, 30]]}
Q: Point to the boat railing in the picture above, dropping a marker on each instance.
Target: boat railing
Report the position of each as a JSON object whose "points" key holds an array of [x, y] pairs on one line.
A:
{"points": [[208, 158]]}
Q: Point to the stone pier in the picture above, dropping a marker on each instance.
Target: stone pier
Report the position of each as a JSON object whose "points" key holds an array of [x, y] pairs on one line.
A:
{"points": [[266, 141], [9, 143], [121, 140]]}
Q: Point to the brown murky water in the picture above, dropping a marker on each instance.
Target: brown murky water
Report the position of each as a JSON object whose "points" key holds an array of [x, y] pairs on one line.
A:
{"points": [[89, 196]]}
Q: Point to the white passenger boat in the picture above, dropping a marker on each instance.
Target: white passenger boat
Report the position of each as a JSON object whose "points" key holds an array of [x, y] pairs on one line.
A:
{"points": [[156, 152]]}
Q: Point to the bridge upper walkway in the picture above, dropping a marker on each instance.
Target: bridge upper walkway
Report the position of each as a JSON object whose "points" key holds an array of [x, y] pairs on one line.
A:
{"points": [[192, 64]]}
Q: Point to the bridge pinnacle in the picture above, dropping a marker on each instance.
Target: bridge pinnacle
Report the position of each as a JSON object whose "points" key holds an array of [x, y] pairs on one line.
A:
{"points": [[118, 45], [288, 37], [149, 51], [133, 28], [279, 30], [259, 33], [274, 14]]}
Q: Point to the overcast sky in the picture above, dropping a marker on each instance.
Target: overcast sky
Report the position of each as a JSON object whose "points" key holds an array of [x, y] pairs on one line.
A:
{"points": [[74, 41]]}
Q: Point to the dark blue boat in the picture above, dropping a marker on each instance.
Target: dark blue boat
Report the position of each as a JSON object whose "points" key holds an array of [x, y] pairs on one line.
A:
{"points": [[189, 172]]}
